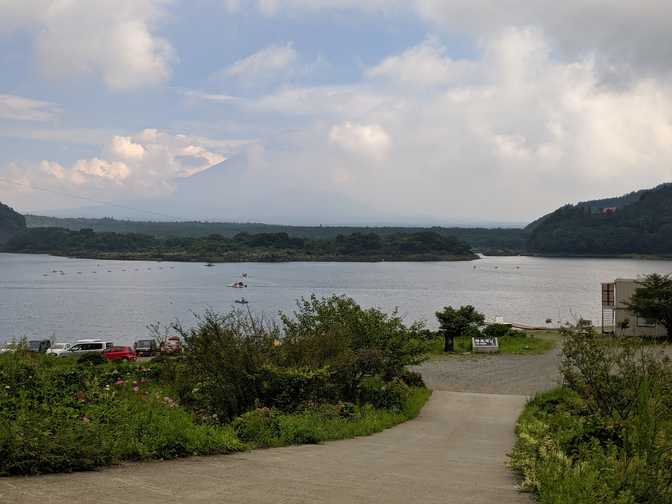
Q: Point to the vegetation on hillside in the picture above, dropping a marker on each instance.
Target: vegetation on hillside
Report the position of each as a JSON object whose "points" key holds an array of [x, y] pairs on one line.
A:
{"points": [[640, 224], [606, 436], [11, 223], [331, 371], [418, 246]]}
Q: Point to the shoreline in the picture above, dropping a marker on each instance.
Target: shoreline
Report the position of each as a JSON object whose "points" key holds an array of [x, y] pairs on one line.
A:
{"points": [[270, 259]]}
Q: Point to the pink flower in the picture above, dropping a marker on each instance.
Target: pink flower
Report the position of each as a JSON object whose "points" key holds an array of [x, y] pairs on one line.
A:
{"points": [[119, 381], [136, 389]]}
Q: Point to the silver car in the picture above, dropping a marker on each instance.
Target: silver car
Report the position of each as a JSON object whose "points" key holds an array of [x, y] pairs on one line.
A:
{"points": [[85, 347]]}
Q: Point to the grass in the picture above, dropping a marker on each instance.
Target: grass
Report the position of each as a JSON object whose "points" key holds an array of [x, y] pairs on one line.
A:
{"points": [[270, 428], [532, 343]]}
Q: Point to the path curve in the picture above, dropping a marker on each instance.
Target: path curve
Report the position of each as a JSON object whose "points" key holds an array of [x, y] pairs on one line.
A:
{"points": [[454, 452]]}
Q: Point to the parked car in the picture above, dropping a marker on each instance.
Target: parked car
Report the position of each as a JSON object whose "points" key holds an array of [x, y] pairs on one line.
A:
{"points": [[123, 353], [171, 345], [145, 347], [86, 346], [8, 348], [58, 348], [39, 346]]}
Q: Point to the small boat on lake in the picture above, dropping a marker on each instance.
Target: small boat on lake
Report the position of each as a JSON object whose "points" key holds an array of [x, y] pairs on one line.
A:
{"points": [[241, 301]]}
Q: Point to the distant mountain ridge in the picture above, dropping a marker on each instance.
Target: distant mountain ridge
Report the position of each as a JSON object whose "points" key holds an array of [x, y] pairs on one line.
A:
{"points": [[11, 222]]}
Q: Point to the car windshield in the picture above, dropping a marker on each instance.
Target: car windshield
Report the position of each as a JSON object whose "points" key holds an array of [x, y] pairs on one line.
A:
{"points": [[145, 342], [34, 345], [59, 346]]}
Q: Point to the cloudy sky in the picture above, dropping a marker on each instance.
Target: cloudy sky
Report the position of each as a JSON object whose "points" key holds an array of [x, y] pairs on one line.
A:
{"points": [[332, 111]]}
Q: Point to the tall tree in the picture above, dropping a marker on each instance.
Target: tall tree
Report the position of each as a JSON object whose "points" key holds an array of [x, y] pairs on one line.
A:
{"points": [[453, 323], [653, 300]]}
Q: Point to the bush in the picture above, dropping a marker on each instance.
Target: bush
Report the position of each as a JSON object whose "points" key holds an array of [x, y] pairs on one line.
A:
{"points": [[93, 359], [607, 436], [224, 355], [290, 388], [261, 426], [336, 331], [56, 415], [502, 331], [412, 379], [384, 395]]}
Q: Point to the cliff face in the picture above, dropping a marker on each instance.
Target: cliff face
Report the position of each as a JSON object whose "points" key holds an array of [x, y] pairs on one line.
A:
{"points": [[11, 222]]}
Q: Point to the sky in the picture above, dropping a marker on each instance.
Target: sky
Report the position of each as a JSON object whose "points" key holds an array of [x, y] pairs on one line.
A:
{"points": [[331, 111]]}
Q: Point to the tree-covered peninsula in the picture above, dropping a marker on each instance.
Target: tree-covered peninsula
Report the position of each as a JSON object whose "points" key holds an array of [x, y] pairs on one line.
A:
{"points": [[243, 247]]}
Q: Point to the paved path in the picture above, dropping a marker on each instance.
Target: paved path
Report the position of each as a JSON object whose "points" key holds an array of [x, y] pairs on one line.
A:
{"points": [[493, 374], [454, 452]]}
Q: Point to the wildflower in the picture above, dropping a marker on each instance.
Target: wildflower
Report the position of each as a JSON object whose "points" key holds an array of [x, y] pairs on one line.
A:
{"points": [[119, 381], [86, 419], [136, 388]]}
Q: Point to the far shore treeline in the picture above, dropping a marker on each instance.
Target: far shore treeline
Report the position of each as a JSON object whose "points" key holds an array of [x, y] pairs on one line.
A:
{"points": [[271, 247], [636, 224]]}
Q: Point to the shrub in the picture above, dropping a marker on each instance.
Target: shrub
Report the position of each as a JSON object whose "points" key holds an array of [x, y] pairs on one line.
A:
{"points": [[412, 378], [502, 331], [384, 395], [261, 426], [605, 437], [56, 415], [224, 355], [337, 331], [290, 388], [93, 359]]}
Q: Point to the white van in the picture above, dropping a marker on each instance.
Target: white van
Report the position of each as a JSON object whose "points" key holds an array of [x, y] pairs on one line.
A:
{"points": [[85, 347]]}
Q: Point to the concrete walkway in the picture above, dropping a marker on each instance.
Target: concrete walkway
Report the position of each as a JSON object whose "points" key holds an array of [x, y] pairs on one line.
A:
{"points": [[454, 452]]}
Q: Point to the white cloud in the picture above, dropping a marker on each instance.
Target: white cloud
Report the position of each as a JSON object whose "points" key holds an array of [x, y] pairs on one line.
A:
{"points": [[369, 140], [146, 164], [112, 39], [622, 32], [19, 108], [457, 144], [271, 62], [423, 65]]}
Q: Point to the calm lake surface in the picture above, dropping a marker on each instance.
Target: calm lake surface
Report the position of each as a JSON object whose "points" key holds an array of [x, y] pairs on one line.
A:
{"points": [[116, 300]]}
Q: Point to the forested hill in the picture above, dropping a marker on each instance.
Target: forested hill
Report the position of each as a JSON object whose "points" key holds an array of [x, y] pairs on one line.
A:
{"points": [[489, 240], [638, 223], [11, 223]]}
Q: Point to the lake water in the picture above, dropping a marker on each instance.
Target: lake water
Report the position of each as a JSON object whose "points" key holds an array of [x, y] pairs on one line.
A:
{"points": [[116, 300]]}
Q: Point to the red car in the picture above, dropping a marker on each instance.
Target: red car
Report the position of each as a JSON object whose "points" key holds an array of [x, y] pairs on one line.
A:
{"points": [[124, 353]]}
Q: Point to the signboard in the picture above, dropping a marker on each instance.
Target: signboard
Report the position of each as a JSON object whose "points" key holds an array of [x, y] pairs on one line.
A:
{"points": [[484, 344]]}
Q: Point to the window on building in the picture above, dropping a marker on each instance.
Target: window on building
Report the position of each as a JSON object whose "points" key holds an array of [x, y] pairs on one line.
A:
{"points": [[644, 322]]}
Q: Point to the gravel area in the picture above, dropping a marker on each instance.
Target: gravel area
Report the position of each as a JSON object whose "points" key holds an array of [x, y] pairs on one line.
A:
{"points": [[493, 374]]}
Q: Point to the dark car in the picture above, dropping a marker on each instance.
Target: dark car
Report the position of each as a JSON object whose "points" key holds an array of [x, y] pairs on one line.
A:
{"points": [[39, 346], [145, 348], [123, 353]]}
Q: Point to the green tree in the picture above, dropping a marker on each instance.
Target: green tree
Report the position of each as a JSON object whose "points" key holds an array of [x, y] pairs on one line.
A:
{"points": [[453, 323], [653, 300]]}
